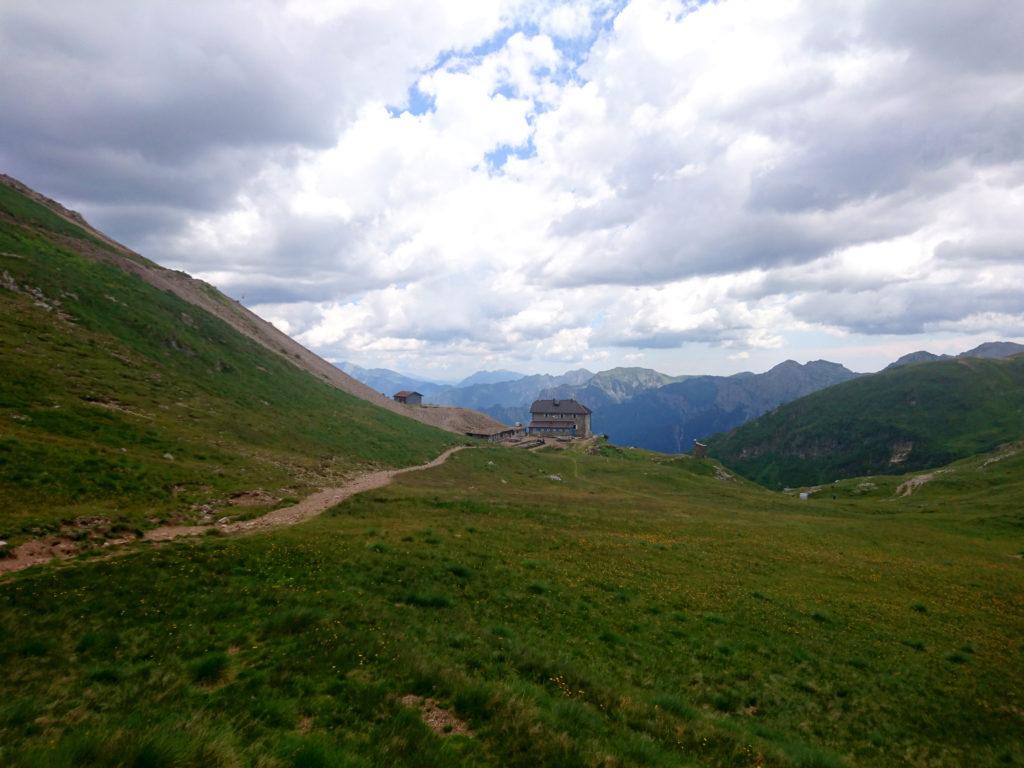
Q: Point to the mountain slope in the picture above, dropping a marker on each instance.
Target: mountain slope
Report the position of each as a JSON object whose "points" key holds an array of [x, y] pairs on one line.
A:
{"points": [[122, 400], [899, 420], [671, 417], [28, 207]]}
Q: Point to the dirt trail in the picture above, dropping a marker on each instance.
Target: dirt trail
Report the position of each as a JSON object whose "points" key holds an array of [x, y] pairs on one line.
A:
{"points": [[41, 551]]}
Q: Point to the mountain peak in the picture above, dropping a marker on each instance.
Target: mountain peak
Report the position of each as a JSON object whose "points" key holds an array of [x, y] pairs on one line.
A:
{"points": [[994, 349], [490, 377]]}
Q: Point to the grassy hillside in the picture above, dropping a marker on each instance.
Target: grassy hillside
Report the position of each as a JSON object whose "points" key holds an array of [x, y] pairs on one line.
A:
{"points": [[899, 420], [123, 402], [987, 483], [641, 610]]}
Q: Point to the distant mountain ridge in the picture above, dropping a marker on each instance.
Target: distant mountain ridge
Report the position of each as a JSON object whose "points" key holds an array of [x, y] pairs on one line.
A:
{"points": [[490, 377], [990, 349], [634, 406], [386, 381], [611, 387], [995, 349], [507, 401], [647, 408], [671, 417]]}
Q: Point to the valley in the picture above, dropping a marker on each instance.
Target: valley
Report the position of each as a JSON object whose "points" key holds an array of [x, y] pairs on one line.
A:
{"points": [[221, 552]]}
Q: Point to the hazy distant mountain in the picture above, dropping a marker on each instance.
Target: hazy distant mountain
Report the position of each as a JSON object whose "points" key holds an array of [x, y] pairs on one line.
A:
{"points": [[388, 381], [507, 401], [490, 377], [921, 356], [611, 387], [995, 349], [990, 349], [671, 417]]}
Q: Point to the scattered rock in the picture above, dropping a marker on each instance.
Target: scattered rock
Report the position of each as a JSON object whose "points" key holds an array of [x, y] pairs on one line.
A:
{"points": [[994, 459], [900, 452], [557, 478], [169, 456], [257, 498], [118, 541], [224, 521]]}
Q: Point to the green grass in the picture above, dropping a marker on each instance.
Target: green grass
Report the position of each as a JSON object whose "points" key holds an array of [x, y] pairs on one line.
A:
{"points": [[900, 420], [123, 402], [16, 207], [641, 612]]}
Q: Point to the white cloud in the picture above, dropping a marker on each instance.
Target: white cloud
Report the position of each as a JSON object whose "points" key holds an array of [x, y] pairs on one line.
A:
{"points": [[445, 183]]}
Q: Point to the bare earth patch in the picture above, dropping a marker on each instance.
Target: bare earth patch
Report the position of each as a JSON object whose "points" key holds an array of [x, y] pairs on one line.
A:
{"points": [[907, 487], [38, 551], [439, 720]]}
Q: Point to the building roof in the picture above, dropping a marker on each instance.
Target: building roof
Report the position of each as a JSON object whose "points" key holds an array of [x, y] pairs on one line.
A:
{"points": [[406, 393], [567, 407], [553, 424], [491, 432]]}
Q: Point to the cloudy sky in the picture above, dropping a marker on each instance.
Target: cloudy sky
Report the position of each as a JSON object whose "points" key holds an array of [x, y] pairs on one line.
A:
{"points": [[440, 186]]}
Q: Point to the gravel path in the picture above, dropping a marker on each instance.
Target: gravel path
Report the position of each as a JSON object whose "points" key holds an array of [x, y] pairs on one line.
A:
{"points": [[41, 551]]}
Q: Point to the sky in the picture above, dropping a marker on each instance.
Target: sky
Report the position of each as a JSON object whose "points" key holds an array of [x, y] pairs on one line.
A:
{"points": [[438, 186]]}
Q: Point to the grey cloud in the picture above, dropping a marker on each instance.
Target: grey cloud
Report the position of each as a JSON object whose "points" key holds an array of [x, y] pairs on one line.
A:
{"points": [[906, 309], [696, 239], [988, 250], [649, 339], [315, 287], [844, 158], [155, 104], [978, 35]]}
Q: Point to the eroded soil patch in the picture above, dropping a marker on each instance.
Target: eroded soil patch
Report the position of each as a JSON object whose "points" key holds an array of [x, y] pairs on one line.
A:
{"points": [[440, 720]]}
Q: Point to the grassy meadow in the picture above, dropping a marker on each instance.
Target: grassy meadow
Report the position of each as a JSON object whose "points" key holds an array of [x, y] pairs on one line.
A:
{"points": [[638, 611]]}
